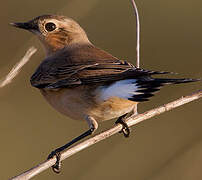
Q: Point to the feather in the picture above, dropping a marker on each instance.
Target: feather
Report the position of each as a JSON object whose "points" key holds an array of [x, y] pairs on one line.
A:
{"points": [[137, 90]]}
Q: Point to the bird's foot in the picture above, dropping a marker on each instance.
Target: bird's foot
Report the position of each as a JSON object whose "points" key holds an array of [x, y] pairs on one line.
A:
{"points": [[57, 166], [125, 130]]}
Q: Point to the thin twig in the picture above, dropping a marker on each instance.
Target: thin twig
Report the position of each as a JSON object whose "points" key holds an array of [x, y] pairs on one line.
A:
{"points": [[136, 14], [130, 121], [137, 32], [16, 69]]}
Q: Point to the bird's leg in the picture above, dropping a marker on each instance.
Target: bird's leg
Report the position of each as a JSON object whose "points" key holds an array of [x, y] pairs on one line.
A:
{"points": [[93, 125]]}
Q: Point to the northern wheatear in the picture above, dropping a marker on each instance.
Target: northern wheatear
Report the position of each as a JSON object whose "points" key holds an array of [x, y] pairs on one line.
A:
{"points": [[84, 82]]}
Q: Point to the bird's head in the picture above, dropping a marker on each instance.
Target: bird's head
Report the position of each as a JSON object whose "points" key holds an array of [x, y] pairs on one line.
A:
{"points": [[55, 32]]}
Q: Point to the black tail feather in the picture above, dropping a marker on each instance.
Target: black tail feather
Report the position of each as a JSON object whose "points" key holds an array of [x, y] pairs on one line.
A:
{"points": [[148, 86], [175, 81]]}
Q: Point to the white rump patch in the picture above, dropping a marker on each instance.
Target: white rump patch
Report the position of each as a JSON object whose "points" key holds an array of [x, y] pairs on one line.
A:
{"points": [[123, 89]]}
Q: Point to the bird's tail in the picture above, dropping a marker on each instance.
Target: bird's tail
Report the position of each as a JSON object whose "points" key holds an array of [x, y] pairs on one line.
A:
{"points": [[174, 81], [147, 87]]}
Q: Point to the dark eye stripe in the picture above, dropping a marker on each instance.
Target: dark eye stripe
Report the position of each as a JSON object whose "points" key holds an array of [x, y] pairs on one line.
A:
{"points": [[50, 26]]}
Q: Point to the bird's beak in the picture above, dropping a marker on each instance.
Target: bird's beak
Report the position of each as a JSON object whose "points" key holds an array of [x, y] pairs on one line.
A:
{"points": [[21, 25], [30, 26]]}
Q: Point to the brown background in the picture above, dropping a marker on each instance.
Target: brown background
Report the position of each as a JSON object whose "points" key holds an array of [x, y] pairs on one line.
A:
{"points": [[166, 147]]}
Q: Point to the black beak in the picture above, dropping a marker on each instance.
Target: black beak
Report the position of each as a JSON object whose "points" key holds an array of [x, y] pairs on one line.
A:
{"points": [[21, 25], [31, 25]]}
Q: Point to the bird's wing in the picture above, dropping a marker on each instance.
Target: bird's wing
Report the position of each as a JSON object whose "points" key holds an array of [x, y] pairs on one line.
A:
{"points": [[92, 66], [59, 73]]}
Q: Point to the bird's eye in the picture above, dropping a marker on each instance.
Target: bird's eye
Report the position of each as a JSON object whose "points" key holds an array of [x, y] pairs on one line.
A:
{"points": [[50, 27]]}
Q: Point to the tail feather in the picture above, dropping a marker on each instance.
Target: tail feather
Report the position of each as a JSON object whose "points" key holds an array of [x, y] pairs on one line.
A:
{"points": [[147, 87], [175, 81]]}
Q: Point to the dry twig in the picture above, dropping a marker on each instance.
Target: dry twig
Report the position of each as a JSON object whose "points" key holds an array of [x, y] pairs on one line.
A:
{"points": [[137, 32], [136, 14], [130, 121], [16, 69]]}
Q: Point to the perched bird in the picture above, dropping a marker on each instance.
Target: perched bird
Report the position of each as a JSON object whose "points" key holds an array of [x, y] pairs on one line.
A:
{"points": [[84, 82]]}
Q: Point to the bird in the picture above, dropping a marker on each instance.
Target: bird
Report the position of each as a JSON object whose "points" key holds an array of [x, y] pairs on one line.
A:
{"points": [[85, 82]]}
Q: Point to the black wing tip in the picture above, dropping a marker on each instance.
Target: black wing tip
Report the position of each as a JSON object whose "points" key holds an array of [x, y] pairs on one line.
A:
{"points": [[186, 80], [163, 81], [164, 72], [150, 72]]}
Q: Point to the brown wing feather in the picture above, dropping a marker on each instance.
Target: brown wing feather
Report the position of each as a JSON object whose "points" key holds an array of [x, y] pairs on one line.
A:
{"points": [[83, 65]]}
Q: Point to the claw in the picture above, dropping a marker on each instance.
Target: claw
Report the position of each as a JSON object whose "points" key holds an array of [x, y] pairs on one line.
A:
{"points": [[57, 166], [125, 130]]}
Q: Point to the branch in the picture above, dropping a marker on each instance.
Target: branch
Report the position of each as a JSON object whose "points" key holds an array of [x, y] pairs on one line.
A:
{"points": [[130, 121], [137, 32], [16, 69]]}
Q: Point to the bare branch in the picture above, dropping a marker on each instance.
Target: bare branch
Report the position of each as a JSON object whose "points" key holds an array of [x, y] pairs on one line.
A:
{"points": [[130, 121], [136, 14], [137, 32], [16, 69]]}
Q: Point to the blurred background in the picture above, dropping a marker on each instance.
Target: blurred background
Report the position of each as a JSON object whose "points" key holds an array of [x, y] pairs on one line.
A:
{"points": [[166, 147]]}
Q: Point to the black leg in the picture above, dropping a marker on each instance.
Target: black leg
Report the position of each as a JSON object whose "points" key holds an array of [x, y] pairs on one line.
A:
{"points": [[125, 130], [57, 152]]}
